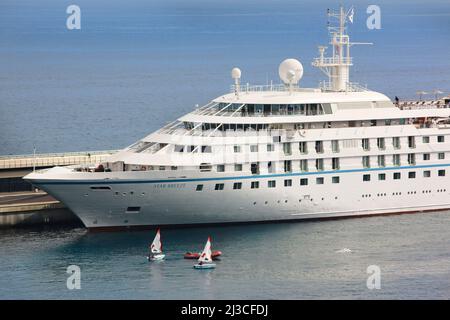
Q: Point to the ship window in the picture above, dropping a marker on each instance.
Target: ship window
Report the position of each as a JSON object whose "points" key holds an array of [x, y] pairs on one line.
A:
{"points": [[219, 186], [204, 167], [366, 177], [319, 146], [237, 185], [366, 161], [270, 147], [440, 139], [426, 156], [396, 159], [441, 155], [179, 148], [441, 173], [426, 139], [335, 163], [199, 187], [304, 165], [237, 149], [319, 180], [335, 146], [133, 209], [303, 147], [288, 183], [162, 168], [220, 168], [396, 142], [287, 148], [411, 175], [254, 148], [335, 179], [397, 175], [319, 164], [238, 167], [381, 176], [365, 144], [411, 142], [255, 185], [304, 182], [411, 159], [173, 168], [276, 139], [381, 143], [271, 184], [270, 167], [287, 165], [381, 161], [254, 167], [100, 188], [427, 174], [206, 149]]}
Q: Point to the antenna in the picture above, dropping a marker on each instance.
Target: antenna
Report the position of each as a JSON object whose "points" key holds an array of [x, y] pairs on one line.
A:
{"points": [[236, 75], [337, 67]]}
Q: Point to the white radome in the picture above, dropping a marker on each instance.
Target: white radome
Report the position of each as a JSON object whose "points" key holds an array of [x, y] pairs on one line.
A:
{"points": [[236, 73], [290, 71]]}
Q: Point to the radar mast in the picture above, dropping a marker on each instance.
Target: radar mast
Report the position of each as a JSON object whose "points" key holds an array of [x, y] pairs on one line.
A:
{"points": [[337, 67]]}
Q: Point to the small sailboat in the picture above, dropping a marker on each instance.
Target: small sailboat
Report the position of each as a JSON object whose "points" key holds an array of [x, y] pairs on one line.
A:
{"points": [[205, 260], [156, 248]]}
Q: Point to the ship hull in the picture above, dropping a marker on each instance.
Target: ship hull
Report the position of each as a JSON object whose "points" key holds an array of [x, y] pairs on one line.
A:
{"points": [[157, 202]]}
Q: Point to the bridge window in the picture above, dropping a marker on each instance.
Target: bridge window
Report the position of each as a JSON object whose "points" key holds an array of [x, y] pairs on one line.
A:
{"points": [[441, 173], [271, 184], [441, 155], [381, 176], [288, 183], [427, 174], [220, 168], [255, 185], [397, 175], [366, 177], [335, 179], [237, 167], [304, 182]]}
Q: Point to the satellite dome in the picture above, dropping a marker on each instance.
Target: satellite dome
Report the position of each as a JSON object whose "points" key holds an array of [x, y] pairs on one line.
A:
{"points": [[236, 73], [290, 71]]}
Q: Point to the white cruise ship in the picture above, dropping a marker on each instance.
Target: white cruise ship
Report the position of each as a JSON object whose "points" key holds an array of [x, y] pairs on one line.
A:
{"points": [[272, 153]]}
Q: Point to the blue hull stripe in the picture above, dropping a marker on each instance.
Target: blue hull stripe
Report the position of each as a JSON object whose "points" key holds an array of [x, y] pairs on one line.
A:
{"points": [[254, 177]]}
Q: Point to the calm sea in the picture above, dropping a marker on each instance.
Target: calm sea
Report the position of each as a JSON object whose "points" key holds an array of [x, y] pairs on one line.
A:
{"points": [[136, 65], [276, 261]]}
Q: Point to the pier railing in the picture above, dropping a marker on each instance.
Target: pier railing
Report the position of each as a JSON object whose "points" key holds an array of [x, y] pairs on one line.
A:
{"points": [[53, 159]]}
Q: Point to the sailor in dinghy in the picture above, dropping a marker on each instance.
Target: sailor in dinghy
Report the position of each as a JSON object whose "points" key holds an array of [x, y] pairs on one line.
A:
{"points": [[155, 253], [205, 260]]}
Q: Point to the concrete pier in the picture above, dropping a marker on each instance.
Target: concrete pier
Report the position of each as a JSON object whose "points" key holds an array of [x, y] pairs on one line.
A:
{"points": [[20, 205]]}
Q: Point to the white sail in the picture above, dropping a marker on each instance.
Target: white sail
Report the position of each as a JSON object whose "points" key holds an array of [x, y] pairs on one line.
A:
{"points": [[156, 246], [206, 254]]}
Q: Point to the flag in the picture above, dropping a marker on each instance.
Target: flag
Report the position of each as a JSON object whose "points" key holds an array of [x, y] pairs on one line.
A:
{"points": [[350, 14]]}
